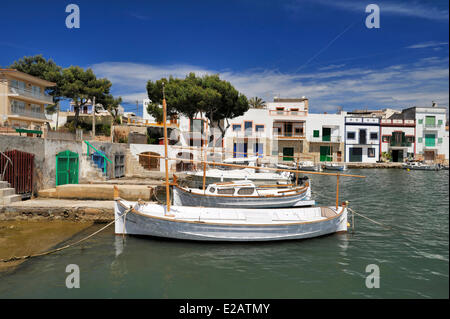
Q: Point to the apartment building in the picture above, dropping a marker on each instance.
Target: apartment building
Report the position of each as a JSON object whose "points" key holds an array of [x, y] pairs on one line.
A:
{"points": [[22, 100], [430, 131], [324, 137], [276, 133], [362, 139]]}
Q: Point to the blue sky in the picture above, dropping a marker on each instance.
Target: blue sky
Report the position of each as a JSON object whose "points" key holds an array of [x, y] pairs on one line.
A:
{"points": [[320, 49]]}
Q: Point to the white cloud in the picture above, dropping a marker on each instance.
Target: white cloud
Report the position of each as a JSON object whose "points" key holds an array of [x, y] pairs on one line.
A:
{"points": [[427, 45], [407, 8], [398, 86]]}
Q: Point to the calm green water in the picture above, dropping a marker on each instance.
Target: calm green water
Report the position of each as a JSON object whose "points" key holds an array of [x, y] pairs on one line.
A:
{"points": [[413, 260]]}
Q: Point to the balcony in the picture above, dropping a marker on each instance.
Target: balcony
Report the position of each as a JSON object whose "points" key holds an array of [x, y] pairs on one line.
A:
{"points": [[30, 95], [27, 113], [399, 144], [288, 135], [324, 139], [287, 113]]}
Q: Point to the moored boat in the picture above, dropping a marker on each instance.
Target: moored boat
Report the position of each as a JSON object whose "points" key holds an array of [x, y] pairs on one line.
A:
{"points": [[244, 194], [335, 167], [421, 166], [227, 224]]}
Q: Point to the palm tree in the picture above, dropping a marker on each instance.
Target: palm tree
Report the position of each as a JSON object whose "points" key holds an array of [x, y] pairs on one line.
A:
{"points": [[257, 103]]}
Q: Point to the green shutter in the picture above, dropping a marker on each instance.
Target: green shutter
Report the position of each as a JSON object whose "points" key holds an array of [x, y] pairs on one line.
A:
{"points": [[430, 140], [440, 140], [419, 140], [316, 133], [430, 120], [420, 121], [440, 122]]}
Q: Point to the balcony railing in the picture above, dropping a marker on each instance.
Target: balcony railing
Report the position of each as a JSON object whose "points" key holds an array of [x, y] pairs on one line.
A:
{"points": [[434, 125], [27, 113], [34, 95], [288, 113], [288, 135], [325, 139], [399, 144]]}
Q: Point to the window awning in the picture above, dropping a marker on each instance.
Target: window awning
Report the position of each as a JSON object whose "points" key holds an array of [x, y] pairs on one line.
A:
{"points": [[22, 130]]}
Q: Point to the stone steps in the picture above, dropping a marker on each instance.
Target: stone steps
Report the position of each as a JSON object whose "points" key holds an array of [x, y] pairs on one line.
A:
{"points": [[8, 194]]}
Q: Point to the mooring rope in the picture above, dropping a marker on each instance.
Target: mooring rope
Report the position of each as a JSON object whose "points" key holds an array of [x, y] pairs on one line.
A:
{"points": [[373, 221], [66, 246]]}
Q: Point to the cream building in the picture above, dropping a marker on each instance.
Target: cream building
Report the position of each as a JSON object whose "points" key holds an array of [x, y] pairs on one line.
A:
{"points": [[22, 100]]}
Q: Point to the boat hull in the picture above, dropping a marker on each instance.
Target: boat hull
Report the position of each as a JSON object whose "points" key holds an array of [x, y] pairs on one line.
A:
{"points": [[184, 198], [146, 223]]}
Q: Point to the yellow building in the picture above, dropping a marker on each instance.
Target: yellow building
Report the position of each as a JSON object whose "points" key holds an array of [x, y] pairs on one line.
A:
{"points": [[22, 100]]}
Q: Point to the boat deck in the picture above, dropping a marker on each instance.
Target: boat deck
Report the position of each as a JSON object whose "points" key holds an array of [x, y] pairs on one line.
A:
{"points": [[231, 216]]}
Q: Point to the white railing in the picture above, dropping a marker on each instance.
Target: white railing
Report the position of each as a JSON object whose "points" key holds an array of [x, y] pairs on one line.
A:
{"points": [[331, 139], [27, 93], [28, 113]]}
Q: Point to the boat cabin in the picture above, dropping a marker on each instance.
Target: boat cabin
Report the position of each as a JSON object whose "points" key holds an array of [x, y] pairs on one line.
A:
{"points": [[240, 188]]}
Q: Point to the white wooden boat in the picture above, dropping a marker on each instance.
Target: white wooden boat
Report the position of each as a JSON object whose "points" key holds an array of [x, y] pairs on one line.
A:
{"points": [[226, 175], [243, 194], [335, 167], [302, 166], [227, 224], [420, 166]]}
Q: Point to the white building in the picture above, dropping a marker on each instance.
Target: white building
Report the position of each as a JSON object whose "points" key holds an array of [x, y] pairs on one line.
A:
{"points": [[398, 137], [362, 139], [430, 131], [324, 134], [276, 132]]}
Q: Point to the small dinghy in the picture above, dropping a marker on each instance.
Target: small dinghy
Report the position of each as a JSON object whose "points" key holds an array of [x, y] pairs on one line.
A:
{"points": [[244, 194], [335, 167], [227, 224], [421, 166]]}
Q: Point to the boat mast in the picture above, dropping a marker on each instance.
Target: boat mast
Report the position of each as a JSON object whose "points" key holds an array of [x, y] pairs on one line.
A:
{"points": [[166, 156]]}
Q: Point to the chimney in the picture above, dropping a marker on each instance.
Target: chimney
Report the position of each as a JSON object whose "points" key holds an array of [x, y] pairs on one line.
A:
{"points": [[433, 104]]}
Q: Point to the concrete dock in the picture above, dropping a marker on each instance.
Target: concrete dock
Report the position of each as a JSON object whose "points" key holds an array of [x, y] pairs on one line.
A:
{"points": [[59, 209]]}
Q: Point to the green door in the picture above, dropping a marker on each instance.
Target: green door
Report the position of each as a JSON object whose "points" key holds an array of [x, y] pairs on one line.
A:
{"points": [[66, 168], [326, 134], [430, 140], [288, 154], [325, 154]]}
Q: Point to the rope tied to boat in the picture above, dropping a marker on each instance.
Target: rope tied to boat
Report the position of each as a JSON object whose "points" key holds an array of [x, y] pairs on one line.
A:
{"points": [[373, 221], [15, 258]]}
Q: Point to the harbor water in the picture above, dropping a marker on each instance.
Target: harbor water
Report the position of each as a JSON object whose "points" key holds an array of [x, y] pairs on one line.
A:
{"points": [[412, 257]]}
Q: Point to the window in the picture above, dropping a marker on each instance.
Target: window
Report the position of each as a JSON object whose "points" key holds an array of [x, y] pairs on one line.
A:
{"points": [[439, 140], [351, 135], [35, 108], [410, 139], [316, 133], [374, 136], [248, 127], [17, 106], [280, 110], [225, 191], [36, 90], [259, 128], [430, 120], [421, 121], [440, 122], [236, 127], [420, 140], [385, 138], [246, 191], [294, 111], [298, 131], [18, 85], [370, 152]]}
